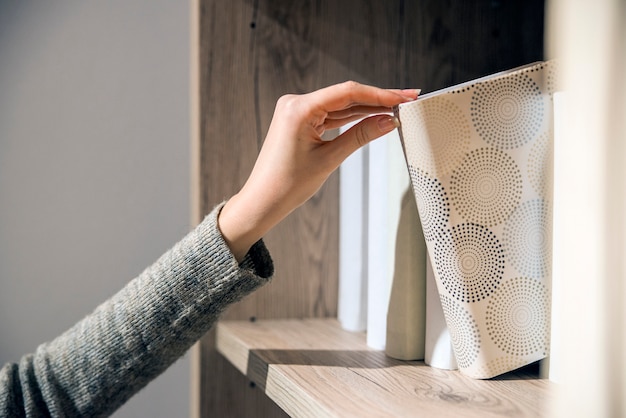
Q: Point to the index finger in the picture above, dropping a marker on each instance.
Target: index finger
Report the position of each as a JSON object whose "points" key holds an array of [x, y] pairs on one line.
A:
{"points": [[350, 93]]}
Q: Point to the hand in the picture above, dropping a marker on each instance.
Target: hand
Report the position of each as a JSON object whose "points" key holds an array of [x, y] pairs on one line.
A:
{"points": [[294, 161]]}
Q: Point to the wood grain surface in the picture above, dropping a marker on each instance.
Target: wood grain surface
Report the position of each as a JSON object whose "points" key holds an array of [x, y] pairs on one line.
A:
{"points": [[314, 368], [249, 53]]}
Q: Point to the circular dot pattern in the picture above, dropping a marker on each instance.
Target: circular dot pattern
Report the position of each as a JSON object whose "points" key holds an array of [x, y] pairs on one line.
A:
{"points": [[486, 187], [432, 203], [540, 165], [463, 330], [436, 133], [469, 261], [507, 112], [517, 317], [527, 238]]}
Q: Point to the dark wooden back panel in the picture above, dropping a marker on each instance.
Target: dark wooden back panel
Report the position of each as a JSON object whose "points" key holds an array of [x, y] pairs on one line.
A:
{"points": [[253, 51]]}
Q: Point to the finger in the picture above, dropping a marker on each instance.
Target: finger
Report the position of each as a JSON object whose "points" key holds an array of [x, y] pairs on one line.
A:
{"points": [[364, 132], [358, 111], [344, 95], [407, 92], [338, 123]]}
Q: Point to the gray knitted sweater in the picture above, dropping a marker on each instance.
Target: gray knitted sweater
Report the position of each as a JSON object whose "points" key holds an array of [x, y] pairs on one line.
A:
{"points": [[97, 365]]}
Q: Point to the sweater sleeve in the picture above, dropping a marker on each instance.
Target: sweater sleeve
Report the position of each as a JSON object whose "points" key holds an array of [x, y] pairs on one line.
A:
{"points": [[103, 360]]}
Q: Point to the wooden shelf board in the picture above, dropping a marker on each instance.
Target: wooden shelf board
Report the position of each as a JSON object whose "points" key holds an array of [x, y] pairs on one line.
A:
{"points": [[312, 367]]}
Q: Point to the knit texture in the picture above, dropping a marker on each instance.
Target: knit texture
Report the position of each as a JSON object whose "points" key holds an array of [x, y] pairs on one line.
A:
{"points": [[103, 360]]}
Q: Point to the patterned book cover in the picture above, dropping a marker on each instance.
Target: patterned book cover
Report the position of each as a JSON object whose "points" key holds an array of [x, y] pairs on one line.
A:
{"points": [[479, 157]]}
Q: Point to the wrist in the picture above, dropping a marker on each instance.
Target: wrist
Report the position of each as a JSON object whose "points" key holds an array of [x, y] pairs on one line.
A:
{"points": [[243, 221], [235, 229]]}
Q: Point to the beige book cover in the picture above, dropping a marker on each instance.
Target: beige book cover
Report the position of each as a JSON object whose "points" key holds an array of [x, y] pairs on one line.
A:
{"points": [[479, 157]]}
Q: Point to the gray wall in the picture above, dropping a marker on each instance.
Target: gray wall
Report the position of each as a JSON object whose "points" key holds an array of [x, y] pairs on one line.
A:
{"points": [[94, 164]]}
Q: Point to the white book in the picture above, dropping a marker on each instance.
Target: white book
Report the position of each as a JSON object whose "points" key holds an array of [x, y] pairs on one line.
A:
{"points": [[406, 315], [388, 182], [381, 241], [352, 308]]}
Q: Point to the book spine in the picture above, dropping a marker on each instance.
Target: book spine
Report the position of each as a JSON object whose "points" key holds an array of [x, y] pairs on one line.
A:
{"points": [[353, 187], [406, 316], [379, 282], [394, 252]]}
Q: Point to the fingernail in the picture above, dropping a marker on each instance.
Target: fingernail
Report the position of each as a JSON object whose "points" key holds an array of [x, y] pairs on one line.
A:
{"points": [[388, 123], [411, 94]]}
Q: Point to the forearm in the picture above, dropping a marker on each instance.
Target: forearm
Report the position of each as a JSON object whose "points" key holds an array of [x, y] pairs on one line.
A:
{"points": [[107, 357]]}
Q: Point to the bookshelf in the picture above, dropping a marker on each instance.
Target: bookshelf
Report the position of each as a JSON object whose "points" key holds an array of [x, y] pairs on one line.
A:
{"points": [[246, 54], [312, 367]]}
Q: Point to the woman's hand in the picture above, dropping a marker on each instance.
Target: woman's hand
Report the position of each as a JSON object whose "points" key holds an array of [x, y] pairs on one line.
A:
{"points": [[294, 161]]}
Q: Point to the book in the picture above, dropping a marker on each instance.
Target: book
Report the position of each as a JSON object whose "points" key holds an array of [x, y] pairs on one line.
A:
{"points": [[476, 154], [406, 314], [353, 186], [387, 185], [382, 250]]}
